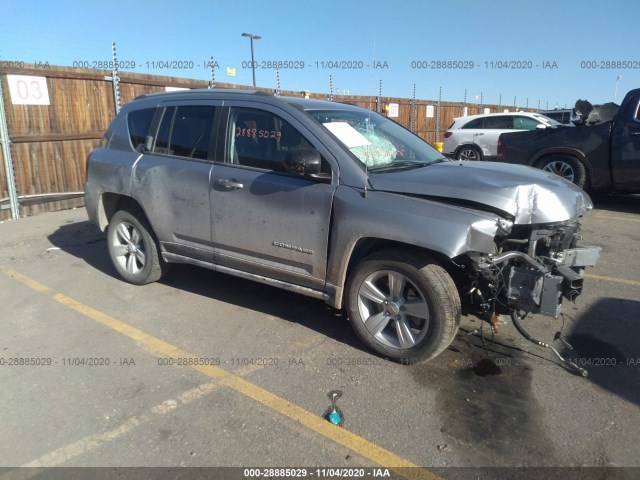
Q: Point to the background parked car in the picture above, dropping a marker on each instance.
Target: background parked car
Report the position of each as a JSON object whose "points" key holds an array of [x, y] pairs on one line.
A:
{"points": [[476, 137], [566, 116], [603, 155]]}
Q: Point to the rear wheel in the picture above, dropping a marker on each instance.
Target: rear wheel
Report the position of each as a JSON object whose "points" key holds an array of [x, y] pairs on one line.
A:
{"points": [[403, 305], [469, 153], [565, 166], [133, 248]]}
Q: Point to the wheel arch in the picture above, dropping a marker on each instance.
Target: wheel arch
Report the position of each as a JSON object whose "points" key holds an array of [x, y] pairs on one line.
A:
{"points": [[109, 203], [366, 246], [567, 152], [572, 152]]}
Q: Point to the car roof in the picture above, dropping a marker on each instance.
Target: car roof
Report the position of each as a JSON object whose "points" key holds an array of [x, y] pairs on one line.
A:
{"points": [[230, 93], [481, 115], [555, 110]]}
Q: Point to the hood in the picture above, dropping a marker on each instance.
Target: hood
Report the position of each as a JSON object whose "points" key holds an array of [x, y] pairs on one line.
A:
{"points": [[527, 194]]}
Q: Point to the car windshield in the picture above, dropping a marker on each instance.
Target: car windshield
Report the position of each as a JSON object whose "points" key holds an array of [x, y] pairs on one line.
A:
{"points": [[379, 143]]}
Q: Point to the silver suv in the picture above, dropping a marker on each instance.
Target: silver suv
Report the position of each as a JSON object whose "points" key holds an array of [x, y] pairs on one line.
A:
{"points": [[476, 137], [335, 202]]}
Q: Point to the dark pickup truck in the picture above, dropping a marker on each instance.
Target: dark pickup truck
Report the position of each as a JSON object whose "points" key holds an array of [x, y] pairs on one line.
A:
{"points": [[602, 157]]}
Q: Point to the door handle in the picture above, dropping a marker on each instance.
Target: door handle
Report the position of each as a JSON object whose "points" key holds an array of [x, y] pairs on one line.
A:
{"points": [[230, 184], [634, 134]]}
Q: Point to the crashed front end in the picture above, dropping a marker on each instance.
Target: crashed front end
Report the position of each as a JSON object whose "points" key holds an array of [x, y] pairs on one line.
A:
{"points": [[532, 269], [513, 242]]}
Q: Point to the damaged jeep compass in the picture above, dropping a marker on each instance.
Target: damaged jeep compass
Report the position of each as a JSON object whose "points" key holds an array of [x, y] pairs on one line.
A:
{"points": [[339, 203]]}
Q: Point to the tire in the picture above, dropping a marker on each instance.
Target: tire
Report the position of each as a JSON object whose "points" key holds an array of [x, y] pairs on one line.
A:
{"points": [[469, 153], [133, 248], [565, 166], [378, 292]]}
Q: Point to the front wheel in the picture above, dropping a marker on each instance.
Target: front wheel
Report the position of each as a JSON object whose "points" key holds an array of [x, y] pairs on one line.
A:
{"points": [[133, 248], [403, 305]]}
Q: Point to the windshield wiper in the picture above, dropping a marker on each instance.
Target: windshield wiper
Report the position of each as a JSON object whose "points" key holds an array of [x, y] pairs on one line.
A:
{"points": [[438, 160], [402, 165]]}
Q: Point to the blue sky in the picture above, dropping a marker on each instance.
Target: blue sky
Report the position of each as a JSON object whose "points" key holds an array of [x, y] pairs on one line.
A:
{"points": [[536, 33]]}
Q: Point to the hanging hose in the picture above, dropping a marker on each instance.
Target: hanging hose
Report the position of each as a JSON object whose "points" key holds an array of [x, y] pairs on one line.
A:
{"points": [[525, 334]]}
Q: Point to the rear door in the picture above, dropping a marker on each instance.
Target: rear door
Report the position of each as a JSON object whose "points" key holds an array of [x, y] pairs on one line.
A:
{"points": [[265, 220], [467, 134], [171, 181], [625, 148], [492, 127]]}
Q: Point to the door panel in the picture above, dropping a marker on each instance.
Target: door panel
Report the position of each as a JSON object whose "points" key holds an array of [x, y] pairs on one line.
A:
{"points": [[492, 127], [172, 181], [264, 220], [625, 151], [175, 196]]}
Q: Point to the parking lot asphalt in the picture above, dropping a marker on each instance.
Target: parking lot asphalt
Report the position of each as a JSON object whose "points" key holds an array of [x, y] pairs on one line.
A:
{"points": [[203, 369]]}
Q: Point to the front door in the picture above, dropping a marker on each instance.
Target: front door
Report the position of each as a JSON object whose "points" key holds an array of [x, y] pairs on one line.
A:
{"points": [[625, 149], [265, 220]]}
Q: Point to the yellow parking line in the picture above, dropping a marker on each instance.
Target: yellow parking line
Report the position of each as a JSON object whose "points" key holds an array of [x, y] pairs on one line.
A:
{"points": [[612, 279], [161, 348], [86, 444]]}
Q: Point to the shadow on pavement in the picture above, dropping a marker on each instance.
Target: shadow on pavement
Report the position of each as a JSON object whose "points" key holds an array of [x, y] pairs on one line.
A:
{"points": [[605, 342], [616, 203], [85, 241]]}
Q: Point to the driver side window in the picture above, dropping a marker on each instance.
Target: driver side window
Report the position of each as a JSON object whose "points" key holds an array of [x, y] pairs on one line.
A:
{"points": [[261, 139]]}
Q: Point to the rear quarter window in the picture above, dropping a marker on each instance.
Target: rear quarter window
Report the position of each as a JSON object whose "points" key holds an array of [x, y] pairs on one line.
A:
{"points": [[503, 122], [139, 122]]}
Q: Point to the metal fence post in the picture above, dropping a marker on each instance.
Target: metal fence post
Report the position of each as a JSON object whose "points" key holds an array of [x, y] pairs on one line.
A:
{"points": [[464, 103], [330, 88], [212, 82], [412, 120], [115, 79], [8, 163], [438, 115]]}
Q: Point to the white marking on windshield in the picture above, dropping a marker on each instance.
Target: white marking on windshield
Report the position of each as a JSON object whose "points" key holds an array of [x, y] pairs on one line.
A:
{"points": [[347, 134]]}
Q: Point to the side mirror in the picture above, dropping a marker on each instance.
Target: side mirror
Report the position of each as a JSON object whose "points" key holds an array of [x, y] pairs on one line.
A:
{"points": [[540, 127], [306, 162]]}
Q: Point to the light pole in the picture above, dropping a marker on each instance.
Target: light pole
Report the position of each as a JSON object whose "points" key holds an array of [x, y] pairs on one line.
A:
{"points": [[615, 92], [252, 37]]}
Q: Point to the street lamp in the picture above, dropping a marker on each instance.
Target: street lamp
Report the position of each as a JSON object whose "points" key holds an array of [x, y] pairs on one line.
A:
{"points": [[615, 92], [252, 37]]}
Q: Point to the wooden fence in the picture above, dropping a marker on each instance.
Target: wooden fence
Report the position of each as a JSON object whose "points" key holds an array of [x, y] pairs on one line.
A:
{"points": [[49, 143]]}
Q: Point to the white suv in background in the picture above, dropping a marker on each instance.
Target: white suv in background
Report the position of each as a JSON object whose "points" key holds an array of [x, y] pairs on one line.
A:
{"points": [[476, 137]]}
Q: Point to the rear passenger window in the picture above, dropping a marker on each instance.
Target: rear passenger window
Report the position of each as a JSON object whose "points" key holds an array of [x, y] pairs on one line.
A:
{"points": [[139, 122], [185, 131], [261, 139], [477, 123]]}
